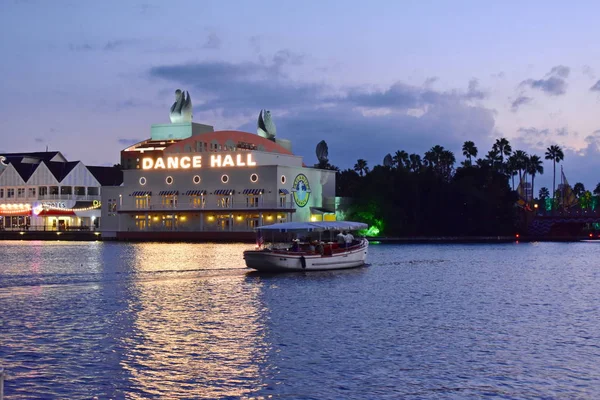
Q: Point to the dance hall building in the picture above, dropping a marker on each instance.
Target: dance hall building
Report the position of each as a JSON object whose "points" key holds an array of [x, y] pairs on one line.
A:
{"points": [[44, 191], [190, 182]]}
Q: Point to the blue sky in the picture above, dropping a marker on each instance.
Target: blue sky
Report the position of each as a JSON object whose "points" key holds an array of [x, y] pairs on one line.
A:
{"points": [[370, 78]]}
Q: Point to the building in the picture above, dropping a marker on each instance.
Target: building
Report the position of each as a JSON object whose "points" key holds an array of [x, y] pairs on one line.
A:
{"points": [[45, 191], [197, 183]]}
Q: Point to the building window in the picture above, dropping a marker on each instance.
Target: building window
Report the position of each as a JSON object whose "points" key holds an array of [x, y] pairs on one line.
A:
{"points": [[282, 201], [31, 192], [92, 191], [169, 180], [43, 190], [225, 179], [80, 190], [224, 202], [142, 201], [142, 181], [283, 179], [196, 179], [252, 201], [20, 192], [112, 207], [54, 190], [10, 193], [254, 178], [169, 201], [66, 190], [1, 193], [198, 201]]}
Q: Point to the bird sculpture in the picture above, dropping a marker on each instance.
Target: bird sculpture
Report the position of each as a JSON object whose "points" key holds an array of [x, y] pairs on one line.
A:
{"points": [[266, 126], [322, 152], [181, 110]]}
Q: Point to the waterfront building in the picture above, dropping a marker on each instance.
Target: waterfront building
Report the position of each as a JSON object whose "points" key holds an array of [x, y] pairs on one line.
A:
{"points": [[45, 191], [190, 182]]}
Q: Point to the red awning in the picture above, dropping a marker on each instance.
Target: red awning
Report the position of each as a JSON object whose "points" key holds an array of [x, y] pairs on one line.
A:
{"points": [[14, 213], [56, 213]]}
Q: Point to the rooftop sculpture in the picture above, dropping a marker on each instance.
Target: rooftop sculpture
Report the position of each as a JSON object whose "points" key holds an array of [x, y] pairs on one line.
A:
{"points": [[181, 110], [266, 126]]}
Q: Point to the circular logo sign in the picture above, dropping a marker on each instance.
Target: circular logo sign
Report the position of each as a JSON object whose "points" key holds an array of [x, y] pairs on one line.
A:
{"points": [[301, 189]]}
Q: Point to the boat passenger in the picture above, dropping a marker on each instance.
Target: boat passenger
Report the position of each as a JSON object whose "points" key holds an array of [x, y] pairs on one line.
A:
{"points": [[295, 245], [341, 239], [319, 248], [349, 239], [311, 246]]}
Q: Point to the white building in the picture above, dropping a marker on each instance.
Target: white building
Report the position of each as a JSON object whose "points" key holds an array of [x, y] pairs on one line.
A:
{"points": [[44, 191], [201, 184]]}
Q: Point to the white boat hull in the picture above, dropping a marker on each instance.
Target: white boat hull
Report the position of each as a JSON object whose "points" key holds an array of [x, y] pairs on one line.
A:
{"points": [[281, 261]]}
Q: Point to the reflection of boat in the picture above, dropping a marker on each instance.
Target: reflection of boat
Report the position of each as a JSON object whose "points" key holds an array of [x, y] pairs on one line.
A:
{"points": [[312, 254]]}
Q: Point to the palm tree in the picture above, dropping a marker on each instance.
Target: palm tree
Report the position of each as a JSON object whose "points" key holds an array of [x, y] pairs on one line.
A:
{"points": [[470, 151], [578, 189], [401, 159], [447, 161], [597, 190], [555, 154], [415, 162], [494, 158], [512, 168], [433, 156], [361, 166], [544, 193], [503, 147], [521, 159], [535, 166]]}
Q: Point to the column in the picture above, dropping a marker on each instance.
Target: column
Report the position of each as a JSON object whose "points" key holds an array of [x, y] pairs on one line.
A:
{"points": [[260, 219]]}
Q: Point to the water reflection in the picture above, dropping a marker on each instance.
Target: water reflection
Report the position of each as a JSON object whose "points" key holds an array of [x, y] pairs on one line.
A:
{"points": [[193, 337]]}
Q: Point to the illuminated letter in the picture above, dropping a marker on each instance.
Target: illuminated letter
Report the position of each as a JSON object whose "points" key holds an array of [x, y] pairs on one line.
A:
{"points": [[239, 161], [159, 163], [147, 163], [215, 161], [197, 161], [249, 160], [228, 161], [185, 162], [173, 162]]}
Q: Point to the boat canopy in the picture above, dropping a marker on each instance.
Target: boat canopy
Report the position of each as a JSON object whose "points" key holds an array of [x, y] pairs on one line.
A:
{"points": [[316, 226]]}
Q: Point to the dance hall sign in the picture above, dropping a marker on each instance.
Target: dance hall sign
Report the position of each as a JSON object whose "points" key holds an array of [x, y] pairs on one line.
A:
{"points": [[196, 162]]}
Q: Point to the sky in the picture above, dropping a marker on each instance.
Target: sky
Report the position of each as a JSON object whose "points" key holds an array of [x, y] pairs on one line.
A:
{"points": [[88, 78]]}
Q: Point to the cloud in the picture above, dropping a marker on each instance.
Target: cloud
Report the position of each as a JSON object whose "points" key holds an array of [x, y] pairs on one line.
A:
{"points": [[588, 71], [212, 42], [112, 45], [400, 116], [519, 101], [128, 142], [554, 84], [38, 140], [596, 87]]}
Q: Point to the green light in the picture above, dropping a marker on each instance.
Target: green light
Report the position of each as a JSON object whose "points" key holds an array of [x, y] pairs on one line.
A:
{"points": [[371, 232]]}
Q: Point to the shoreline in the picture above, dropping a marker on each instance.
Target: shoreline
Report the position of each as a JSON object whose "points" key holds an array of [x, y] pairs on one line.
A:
{"points": [[212, 237]]}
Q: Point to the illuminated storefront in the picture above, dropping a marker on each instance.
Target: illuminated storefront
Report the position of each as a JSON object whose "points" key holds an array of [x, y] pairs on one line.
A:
{"points": [[44, 191], [223, 182]]}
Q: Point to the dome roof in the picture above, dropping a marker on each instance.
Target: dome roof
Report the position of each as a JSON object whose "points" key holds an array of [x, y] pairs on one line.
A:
{"points": [[225, 140]]}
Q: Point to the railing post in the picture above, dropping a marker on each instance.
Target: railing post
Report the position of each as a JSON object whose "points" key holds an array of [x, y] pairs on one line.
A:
{"points": [[2, 376]]}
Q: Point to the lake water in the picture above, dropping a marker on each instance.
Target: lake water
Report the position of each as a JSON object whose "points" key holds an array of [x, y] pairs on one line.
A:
{"points": [[141, 321]]}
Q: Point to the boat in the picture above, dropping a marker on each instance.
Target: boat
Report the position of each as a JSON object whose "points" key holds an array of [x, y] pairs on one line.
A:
{"points": [[310, 254]]}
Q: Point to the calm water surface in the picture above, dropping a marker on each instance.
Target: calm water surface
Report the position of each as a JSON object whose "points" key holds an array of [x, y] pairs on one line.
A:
{"points": [[140, 321]]}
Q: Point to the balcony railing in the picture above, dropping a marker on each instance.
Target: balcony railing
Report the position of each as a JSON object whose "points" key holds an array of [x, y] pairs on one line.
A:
{"points": [[26, 199], [209, 206]]}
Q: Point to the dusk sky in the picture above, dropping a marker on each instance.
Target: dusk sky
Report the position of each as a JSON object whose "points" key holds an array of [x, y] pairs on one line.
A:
{"points": [[88, 78]]}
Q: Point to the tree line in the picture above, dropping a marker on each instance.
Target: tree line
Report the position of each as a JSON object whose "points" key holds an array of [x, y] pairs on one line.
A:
{"points": [[414, 195]]}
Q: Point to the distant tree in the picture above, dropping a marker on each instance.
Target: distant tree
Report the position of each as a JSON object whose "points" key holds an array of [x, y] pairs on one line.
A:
{"points": [[555, 154], [415, 162], [535, 166], [578, 189], [494, 158], [361, 166], [597, 190], [544, 193], [470, 151], [512, 169], [401, 159], [503, 147], [117, 166], [521, 160]]}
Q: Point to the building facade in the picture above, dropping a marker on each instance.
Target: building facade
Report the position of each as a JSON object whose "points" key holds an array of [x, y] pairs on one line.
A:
{"points": [[213, 185], [45, 191]]}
